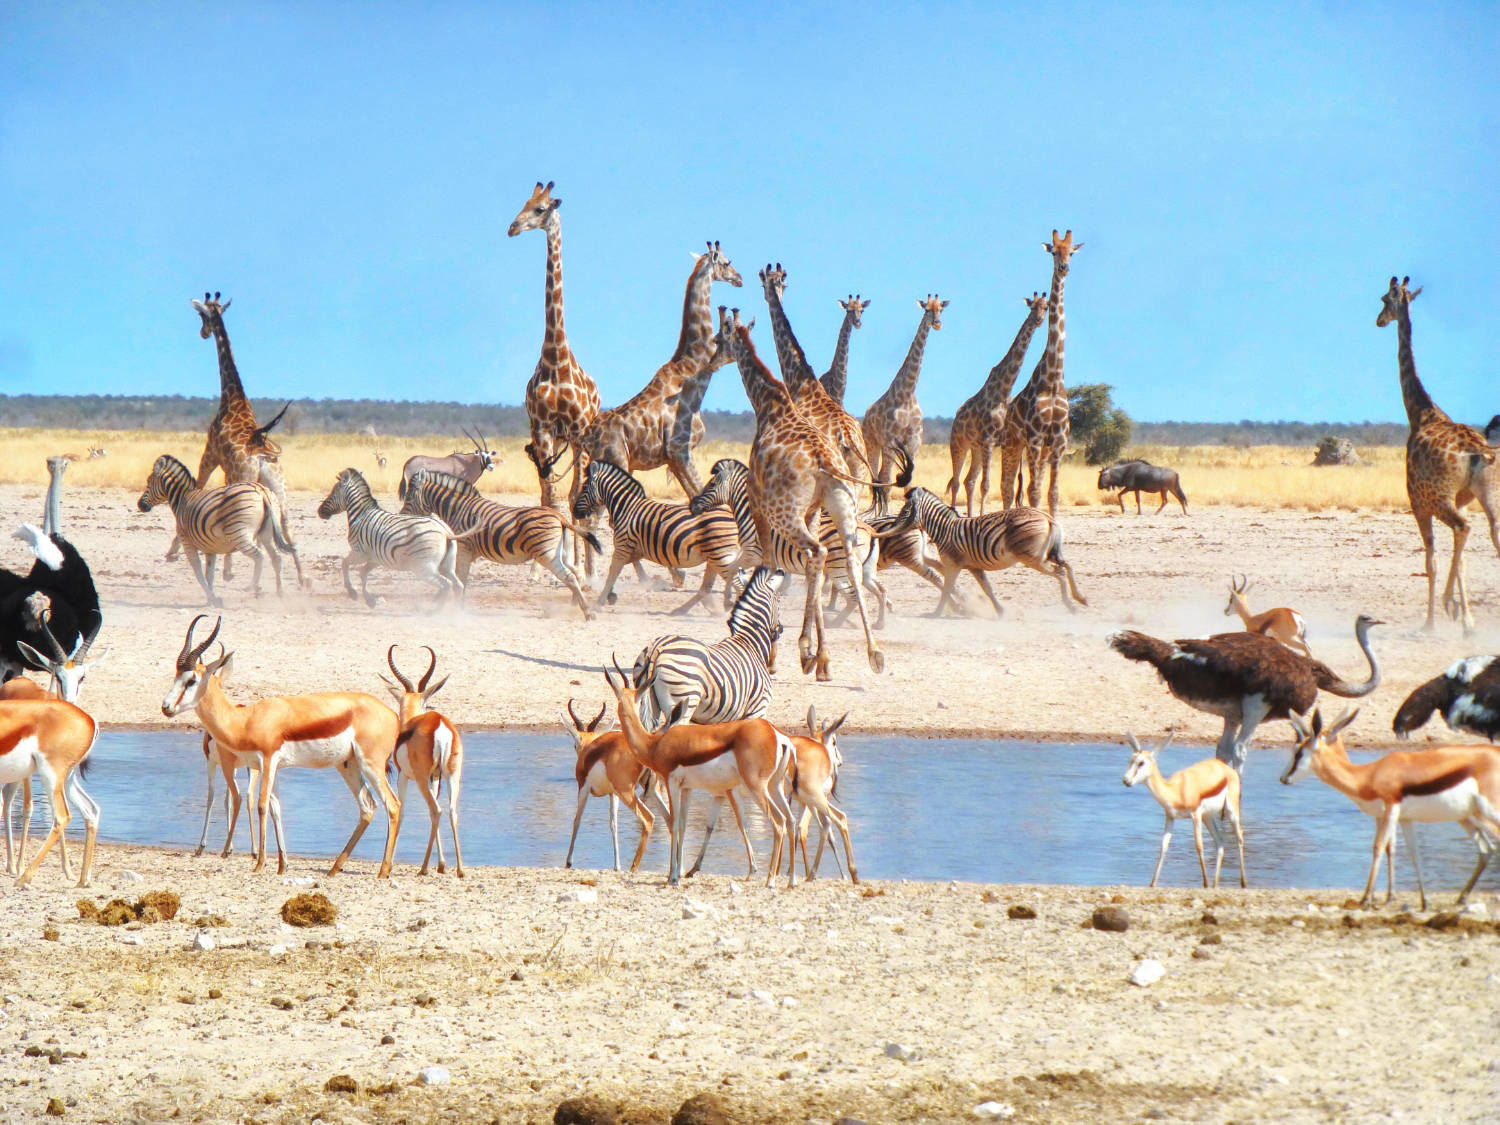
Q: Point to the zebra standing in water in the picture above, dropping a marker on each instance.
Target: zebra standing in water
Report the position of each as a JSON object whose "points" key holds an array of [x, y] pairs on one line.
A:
{"points": [[670, 535], [719, 683], [729, 485], [419, 544], [220, 521], [989, 542], [501, 533]]}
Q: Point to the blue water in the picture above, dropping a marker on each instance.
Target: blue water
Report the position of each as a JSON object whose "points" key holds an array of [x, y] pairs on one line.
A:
{"points": [[939, 809]]}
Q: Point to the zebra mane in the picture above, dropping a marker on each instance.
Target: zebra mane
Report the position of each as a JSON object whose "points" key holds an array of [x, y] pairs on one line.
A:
{"points": [[170, 466], [358, 486], [627, 481], [445, 480], [747, 610]]}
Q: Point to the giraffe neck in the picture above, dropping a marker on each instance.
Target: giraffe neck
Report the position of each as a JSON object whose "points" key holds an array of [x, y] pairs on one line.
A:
{"points": [[768, 395], [1028, 395], [555, 352], [789, 354], [1055, 335], [904, 385], [231, 390], [696, 342], [1003, 375], [694, 388], [1413, 394], [837, 378]]}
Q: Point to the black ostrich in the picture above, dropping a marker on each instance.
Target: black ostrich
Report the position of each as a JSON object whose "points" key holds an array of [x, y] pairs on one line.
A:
{"points": [[58, 592], [1244, 678], [1467, 695]]}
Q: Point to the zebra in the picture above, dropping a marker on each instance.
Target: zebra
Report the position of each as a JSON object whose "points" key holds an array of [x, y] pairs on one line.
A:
{"points": [[418, 544], [989, 542], [729, 484], [500, 533], [671, 535], [219, 521]]}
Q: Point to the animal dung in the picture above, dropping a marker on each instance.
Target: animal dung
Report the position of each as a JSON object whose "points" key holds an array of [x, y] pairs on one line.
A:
{"points": [[308, 910], [1111, 919], [1020, 912]]}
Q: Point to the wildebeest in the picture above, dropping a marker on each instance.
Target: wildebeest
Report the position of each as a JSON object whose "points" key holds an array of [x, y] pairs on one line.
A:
{"points": [[1141, 476], [465, 466]]}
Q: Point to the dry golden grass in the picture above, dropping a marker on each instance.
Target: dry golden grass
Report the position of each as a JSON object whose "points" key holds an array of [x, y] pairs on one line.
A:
{"points": [[1259, 476]]}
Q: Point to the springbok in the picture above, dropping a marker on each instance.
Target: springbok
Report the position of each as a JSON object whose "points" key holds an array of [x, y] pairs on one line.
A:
{"points": [[429, 750], [350, 731], [712, 756], [607, 768], [51, 738], [218, 760], [1286, 625], [1203, 792], [1446, 783], [811, 782]]}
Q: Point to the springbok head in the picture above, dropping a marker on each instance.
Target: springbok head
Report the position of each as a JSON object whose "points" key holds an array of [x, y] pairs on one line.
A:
{"points": [[67, 669], [583, 733], [1311, 738], [826, 733], [1141, 760], [1237, 603], [411, 697], [192, 673]]}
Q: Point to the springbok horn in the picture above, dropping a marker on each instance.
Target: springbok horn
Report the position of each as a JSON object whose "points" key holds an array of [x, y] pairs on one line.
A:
{"points": [[57, 649], [597, 718], [1134, 744], [812, 719], [88, 642], [190, 654], [572, 714], [431, 667], [390, 658], [1171, 734]]}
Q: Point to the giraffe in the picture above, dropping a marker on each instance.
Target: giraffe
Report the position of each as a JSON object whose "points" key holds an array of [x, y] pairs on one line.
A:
{"points": [[978, 425], [235, 443], [1448, 464], [639, 434], [807, 392], [894, 420], [836, 378], [796, 470], [1036, 422], [561, 399]]}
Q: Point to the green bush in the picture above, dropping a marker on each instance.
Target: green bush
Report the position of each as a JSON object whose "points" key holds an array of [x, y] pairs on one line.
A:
{"points": [[1100, 429]]}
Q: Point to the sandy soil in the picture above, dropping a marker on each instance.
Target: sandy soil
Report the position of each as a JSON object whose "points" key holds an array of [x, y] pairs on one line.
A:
{"points": [[781, 1003]]}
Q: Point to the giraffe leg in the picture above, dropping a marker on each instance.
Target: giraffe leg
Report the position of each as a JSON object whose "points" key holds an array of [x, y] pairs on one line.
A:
{"points": [[982, 456], [1455, 597], [838, 502], [1033, 471], [1429, 551]]}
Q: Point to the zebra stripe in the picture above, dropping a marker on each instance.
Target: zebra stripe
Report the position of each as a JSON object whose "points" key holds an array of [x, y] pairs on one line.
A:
{"points": [[671, 535], [993, 541], [416, 544], [722, 682], [500, 533], [220, 521]]}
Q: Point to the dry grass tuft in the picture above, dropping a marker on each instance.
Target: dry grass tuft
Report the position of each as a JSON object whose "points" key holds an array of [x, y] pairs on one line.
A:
{"points": [[308, 910]]}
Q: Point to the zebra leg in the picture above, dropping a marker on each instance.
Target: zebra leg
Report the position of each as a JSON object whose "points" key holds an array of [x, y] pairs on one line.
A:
{"points": [[950, 579], [364, 583], [349, 560], [567, 576], [255, 556], [984, 584], [703, 590], [607, 595], [207, 583]]}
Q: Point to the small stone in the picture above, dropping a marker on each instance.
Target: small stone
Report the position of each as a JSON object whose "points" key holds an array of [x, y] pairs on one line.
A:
{"points": [[1209, 918], [299, 881], [1211, 939], [583, 896], [131, 939], [1476, 910], [55, 1107], [1019, 913], [1111, 919], [900, 1052], [216, 994], [517, 975], [1202, 953], [788, 1001], [387, 1039], [51, 933], [762, 995], [692, 910], [203, 943], [277, 950], [995, 1111], [435, 1076], [128, 876], [1147, 972]]}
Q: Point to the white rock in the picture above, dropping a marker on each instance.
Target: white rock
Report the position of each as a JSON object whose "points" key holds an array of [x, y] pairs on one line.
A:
{"points": [[762, 995], [693, 909], [730, 944], [298, 881], [736, 889], [831, 936], [1475, 910], [995, 1111], [128, 876], [1147, 972], [203, 943], [884, 920], [435, 1076], [130, 939], [901, 1052], [791, 927], [277, 950], [584, 896], [788, 1001]]}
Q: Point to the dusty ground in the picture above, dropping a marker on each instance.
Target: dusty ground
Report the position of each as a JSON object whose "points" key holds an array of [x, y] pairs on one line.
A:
{"points": [[520, 648], [1301, 1010], [1293, 1015]]}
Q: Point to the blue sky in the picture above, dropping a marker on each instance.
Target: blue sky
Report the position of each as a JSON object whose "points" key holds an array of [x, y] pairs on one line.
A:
{"points": [[1244, 178]]}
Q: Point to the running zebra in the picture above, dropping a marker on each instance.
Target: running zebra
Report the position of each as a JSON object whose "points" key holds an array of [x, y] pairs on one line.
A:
{"points": [[989, 542], [418, 544], [729, 485], [220, 521], [722, 682], [501, 533], [670, 535]]}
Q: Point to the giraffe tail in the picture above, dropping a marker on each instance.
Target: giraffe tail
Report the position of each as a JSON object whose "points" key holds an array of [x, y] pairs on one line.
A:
{"points": [[908, 467]]}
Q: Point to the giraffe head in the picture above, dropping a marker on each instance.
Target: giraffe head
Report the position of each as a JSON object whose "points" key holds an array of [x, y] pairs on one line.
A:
{"points": [[932, 310], [773, 281], [212, 313], [538, 211], [1062, 250], [855, 308], [1036, 307], [729, 337], [722, 270], [1397, 297]]}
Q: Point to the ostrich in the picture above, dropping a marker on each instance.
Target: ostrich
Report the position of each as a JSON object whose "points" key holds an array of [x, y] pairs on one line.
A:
{"points": [[1244, 678], [1467, 695]]}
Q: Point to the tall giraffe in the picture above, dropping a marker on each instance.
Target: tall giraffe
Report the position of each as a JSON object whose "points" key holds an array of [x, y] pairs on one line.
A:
{"points": [[561, 399], [836, 379], [1448, 464], [795, 470], [807, 392], [235, 443], [1036, 422], [979, 423], [894, 420], [639, 434]]}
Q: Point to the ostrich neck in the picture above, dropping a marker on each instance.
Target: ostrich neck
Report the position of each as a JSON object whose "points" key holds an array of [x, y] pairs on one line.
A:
{"points": [[1350, 691]]}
